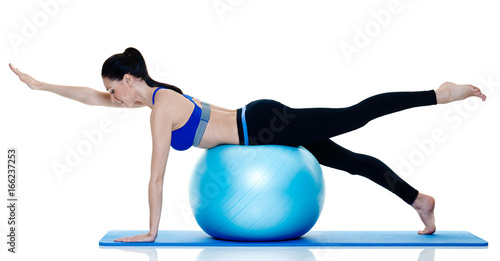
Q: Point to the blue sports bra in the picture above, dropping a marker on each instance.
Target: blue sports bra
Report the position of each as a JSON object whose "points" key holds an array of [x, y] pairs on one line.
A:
{"points": [[183, 138]]}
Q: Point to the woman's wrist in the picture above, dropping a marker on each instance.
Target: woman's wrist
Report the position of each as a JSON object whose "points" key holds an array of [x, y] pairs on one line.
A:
{"points": [[42, 86], [153, 233]]}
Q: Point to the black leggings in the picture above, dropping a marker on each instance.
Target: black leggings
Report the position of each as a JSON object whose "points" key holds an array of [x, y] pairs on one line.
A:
{"points": [[270, 122]]}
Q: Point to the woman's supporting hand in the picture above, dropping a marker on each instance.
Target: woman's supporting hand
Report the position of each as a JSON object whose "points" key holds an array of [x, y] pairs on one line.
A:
{"points": [[30, 81], [148, 237]]}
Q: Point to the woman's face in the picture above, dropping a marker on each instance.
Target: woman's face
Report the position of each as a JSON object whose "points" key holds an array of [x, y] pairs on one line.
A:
{"points": [[121, 91]]}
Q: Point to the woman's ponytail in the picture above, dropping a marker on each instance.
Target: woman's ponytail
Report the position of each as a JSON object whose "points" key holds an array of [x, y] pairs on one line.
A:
{"points": [[131, 62]]}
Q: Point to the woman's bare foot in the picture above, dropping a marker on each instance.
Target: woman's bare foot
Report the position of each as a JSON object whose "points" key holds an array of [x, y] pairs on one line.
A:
{"points": [[424, 205], [449, 92]]}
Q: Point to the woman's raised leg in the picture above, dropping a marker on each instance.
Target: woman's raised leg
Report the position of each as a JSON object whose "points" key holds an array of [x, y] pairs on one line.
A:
{"points": [[301, 126], [311, 125]]}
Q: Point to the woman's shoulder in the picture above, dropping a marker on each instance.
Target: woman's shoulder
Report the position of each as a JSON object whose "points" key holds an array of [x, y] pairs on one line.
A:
{"points": [[168, 103], [165, 97], [164, 92]]}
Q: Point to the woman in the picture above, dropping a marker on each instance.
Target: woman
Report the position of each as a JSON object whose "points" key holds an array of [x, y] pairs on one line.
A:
{"points": [[180, 121]]}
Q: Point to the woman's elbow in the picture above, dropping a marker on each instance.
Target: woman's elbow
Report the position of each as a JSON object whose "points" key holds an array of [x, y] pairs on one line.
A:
{"points": [[156, 181]]}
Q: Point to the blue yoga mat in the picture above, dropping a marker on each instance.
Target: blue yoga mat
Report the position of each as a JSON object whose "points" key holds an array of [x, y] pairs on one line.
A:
{"points": [[313, 239]]}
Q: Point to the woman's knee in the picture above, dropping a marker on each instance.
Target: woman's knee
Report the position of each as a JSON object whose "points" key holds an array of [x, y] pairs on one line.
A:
{"points": [[332, 155]]}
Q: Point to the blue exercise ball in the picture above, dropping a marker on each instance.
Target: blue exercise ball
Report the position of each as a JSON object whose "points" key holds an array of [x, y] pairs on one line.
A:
{"points": [[256, 193]]}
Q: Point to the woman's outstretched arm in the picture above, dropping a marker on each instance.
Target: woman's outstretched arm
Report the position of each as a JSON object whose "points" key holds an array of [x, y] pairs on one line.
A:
{"points": [[84, 95], [161, 130]]}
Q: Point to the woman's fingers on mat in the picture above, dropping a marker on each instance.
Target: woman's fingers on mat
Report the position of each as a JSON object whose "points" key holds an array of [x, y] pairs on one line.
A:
{"points": [[138, 238], [121, 239]]}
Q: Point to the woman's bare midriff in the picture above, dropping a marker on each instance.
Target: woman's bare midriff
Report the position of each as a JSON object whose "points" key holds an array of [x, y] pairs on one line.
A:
{"points": [[221, 128]]}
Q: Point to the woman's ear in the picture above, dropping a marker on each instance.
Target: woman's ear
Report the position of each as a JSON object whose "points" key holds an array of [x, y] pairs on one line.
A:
{"points": [[128, 80]]}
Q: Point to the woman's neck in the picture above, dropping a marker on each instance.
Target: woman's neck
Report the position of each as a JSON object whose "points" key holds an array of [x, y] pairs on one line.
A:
{"points": [[144, 93]]}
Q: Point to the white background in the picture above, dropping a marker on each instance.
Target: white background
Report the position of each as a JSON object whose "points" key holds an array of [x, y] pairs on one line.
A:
{"points": [[286, 50]]}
